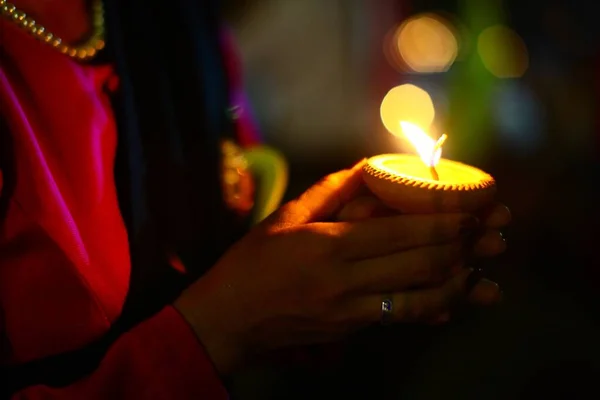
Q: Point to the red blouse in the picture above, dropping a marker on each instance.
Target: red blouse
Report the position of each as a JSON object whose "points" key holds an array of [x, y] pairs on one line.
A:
{"points": [[64, 256]]}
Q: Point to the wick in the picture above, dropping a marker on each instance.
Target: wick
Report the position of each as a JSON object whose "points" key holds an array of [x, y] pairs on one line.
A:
{"points": [[434, 173], [436, 147]]}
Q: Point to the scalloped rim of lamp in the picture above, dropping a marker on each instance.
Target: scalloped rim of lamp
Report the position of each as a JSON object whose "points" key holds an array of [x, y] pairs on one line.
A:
{"points": [[376, 169]]}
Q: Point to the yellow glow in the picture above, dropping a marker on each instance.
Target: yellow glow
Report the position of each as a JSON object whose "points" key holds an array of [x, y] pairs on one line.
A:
{"points": [[450, 172], [503, 52], [428, 149], [406, 103], [427, 43]]}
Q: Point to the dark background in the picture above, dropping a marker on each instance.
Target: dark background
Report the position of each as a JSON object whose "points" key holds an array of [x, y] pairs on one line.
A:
{"points": [[316, 74]]}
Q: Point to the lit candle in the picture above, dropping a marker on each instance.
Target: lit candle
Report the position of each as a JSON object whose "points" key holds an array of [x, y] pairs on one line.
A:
{"points": [[427, 183]]}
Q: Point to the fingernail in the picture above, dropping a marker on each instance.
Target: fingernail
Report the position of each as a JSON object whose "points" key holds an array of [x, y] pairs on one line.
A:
{"points": [[490, 292], [473, 279]]}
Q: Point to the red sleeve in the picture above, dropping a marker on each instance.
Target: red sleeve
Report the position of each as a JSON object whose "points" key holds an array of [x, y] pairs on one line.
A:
{"points": [[159, 359]]}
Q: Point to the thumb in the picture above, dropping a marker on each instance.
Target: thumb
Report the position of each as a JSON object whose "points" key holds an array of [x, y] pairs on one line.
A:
{"points": [[325, 198]]}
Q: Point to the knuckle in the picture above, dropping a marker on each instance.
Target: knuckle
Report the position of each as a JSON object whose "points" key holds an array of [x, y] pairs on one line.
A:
{"points": [[287, 215], [298, 209], [276, 230], [334, 179], [289, 207]]}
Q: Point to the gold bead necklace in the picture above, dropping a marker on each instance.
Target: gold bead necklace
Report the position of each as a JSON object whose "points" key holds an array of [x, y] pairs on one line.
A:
{"points": [[81, 52]]}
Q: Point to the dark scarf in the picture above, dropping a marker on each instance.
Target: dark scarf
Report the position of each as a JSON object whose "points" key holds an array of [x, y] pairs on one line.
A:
{"points": [[171, 113]]}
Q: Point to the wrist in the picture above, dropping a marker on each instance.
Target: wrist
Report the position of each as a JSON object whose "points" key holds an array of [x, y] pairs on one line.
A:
{"points": [[205, 309]]}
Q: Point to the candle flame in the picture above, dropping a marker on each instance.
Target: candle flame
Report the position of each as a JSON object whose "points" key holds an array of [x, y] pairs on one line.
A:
{"points": [[428, 149]]}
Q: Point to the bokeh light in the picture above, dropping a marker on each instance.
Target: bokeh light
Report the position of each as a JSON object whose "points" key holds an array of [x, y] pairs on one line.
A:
{"points": [[407, 103], [391, 51], [503, 52], [426, 43]]}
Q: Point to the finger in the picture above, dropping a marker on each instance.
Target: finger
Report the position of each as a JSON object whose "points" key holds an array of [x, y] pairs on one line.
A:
{"points": [[322, 200], [423, 266], [482, 291], [497, 216], [485, 293], [382, 236], [490, 244], [364, 207], [420, 305]]}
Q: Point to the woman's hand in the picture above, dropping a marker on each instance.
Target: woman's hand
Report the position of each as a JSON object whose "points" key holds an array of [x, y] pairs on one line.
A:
{"points": [[296, 279], [487, 240]]}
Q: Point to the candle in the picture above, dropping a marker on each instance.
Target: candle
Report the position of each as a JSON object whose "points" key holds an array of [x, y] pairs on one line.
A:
{"points": [[426, 183]]}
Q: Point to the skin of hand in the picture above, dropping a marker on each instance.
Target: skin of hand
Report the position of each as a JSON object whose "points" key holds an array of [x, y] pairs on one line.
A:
{"points": [[303, 277], [487, 240]]}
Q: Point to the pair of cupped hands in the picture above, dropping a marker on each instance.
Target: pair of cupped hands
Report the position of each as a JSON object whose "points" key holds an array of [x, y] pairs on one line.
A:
{"points": [[319, 268]]}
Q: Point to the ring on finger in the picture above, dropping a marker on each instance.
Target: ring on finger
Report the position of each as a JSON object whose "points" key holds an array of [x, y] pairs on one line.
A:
{"points": [[387, 306]]}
